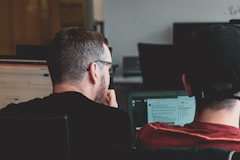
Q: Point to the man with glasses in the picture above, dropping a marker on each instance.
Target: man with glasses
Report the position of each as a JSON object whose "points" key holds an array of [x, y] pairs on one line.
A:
{"points": [[80, 66]]}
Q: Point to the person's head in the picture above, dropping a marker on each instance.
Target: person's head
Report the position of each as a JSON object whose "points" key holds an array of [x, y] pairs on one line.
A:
{"points": [[80, 57], [213, 64]]}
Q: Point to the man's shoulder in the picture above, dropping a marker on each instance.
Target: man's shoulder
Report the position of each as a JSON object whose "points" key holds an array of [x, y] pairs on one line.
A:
{"points": [[161, 126], [13, 108]]}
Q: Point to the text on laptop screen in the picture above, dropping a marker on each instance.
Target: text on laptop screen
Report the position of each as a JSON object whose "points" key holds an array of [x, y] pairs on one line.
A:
{"points": [[173, 107], [22, 80]]}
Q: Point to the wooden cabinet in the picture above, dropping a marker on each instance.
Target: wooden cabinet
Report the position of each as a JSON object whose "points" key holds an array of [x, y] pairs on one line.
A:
{"points": [[35, 21]]}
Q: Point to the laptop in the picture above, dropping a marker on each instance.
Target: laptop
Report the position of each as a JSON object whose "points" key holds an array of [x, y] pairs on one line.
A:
{"points": [[32, 138], [160, 66], [22, 80], [174, 107]]}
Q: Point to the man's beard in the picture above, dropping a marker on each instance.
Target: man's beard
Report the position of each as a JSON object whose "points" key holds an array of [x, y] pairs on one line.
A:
{"points": [[101, 91]]}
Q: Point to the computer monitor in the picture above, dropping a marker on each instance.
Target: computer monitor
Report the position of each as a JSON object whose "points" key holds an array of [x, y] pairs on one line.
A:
{"points": [[160, 66], [181, 30], [22, 80], [32, 51]]}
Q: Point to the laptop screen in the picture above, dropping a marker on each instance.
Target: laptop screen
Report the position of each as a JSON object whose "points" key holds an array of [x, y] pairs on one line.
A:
{"points": [[170, 106], [22, 80]]}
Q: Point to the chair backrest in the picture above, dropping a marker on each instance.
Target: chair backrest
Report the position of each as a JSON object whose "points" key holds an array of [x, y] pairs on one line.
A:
{"points": [[176, 154], [32, 138], [183, 154]]}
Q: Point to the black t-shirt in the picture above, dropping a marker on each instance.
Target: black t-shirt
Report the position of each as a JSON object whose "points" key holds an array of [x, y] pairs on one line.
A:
{"points": [[92, 126]]}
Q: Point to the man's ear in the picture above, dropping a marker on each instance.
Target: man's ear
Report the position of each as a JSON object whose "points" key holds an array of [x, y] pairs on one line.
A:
{"points": [[186, 85], [93, 72]]}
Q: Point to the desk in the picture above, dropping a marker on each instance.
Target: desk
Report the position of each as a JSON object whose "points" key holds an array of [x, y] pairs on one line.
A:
{"points": [[128, 80], [123, 85]]}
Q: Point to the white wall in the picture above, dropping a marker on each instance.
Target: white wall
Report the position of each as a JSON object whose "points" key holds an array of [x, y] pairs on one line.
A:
{"points": [[128, 22]]}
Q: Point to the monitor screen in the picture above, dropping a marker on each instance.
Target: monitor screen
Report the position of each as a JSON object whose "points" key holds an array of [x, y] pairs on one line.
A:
{"points": [[22, 80]]}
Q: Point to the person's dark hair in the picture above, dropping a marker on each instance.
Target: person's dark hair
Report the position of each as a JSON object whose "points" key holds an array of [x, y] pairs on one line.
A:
{"points": [[213, 68], [72, 51]]}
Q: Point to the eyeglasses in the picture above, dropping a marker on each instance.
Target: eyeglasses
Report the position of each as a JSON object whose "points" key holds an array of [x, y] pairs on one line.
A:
{"points": [[112, 69]]}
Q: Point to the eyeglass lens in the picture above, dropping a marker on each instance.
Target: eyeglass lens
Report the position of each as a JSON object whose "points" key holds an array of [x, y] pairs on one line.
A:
{"points": [[112, 70]]}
